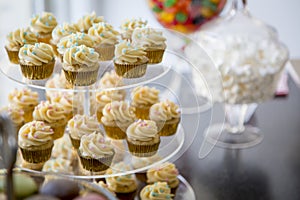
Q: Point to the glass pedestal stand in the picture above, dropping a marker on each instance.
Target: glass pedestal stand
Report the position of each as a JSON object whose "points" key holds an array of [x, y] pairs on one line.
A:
{"points": [[233, 133]]}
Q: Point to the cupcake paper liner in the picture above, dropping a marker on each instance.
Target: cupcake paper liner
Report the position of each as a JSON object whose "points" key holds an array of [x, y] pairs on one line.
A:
{"points": [[155, 56], [37, 72], [95, 165], [142, 112], [114, 132], [36, 156], [126, 196], [13, 56], [131, 70], [143, 150], [106, 52], [81, 78], [99, 115], [75, 142], [168, 128]]}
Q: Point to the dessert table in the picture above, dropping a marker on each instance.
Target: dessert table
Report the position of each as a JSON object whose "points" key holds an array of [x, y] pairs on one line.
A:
{"points": [[270, 170]]}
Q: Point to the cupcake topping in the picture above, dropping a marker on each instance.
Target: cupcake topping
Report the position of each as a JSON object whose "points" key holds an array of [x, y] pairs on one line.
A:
{"points": [[88, 20], [16, 114], [129, 25], [50, 113], [19, 37], [61, 31], [110, 80], [142, 130], [157, 191], [144, 96], [163, 111], [81, 55], [95, 146], [103, 33], [149, 38], [126, 53], [37, 54], [43, 23], [58, 165], [23, 98], [81, 125], [34, 133], [68, 101], [63, 148], [105, 97]]}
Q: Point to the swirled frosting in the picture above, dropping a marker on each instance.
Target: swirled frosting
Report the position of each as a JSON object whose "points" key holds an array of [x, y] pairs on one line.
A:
{"points": [[148, 38], [24, 98], [68, 101], [88, 20], [81, 56], [58, 165], [63, 148], [81, 125], [73, 40], [144, 96], [43, 24], [128, 27], [121, 184], [56, 81], [95, 146], [37, 54], [157, 191], [126, 53], [105, 97], [34, 134], [104, 33], [61, 31], [16, 114], [142, 130], [163, 111], [50, 113], [19, 37], [164, 172], [118, 113], [110, 80]]}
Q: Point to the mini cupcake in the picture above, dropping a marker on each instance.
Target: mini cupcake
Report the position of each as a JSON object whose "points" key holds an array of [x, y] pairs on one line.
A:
{"points": [[105, 97], [53, 115], [63, 148], [16, 115], [95, 153], [124, 186], [58, 165], [60, 32], [158, 190], [81, 125], [17, 39], [81, 65], [153, 42], [166, 115], [129, 61], [43, 26], [36, 61], [142, 98], [57, 81], [117, 116], [164, 172], [105, 39], [142, 138], [35, 142], [129, 26], [26, 100], [87, 21], [110, 80], [73, 40]]}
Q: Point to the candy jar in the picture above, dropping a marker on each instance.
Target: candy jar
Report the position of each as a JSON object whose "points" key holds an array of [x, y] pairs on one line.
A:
{"points": [[250, 59]]}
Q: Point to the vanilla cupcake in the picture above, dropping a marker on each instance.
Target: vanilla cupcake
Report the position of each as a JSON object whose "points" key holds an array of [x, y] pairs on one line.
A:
{"points": [[111, 80], [43, 26], [53, 115], [142, 98], [164, 172], [57, 81], [36, 61], [130, 61], [105, 97], [35, 142], [117, 116], [129, 26], [26, 100], [16, 115], [95, 153], [166, 115], [124, 186], [17, 39], [153, 41], [81, 65], [156, 191], [105, 39], [87, 21], [142, 138], [81, 125], [63, 148], [58, 165]]}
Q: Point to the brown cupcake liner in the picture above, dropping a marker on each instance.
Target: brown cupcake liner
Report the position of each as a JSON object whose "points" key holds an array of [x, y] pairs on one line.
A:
{"points": [[142, 112], [173, 190], [168, 128], [115, 133], [126, 196], [81, 78], [99, 115], [143, 150], [13, 56], [106, 52], [75, 142], [155, 56], [37, 72], [95, 165], [141, 176], [131, 70], [36, 156]]}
